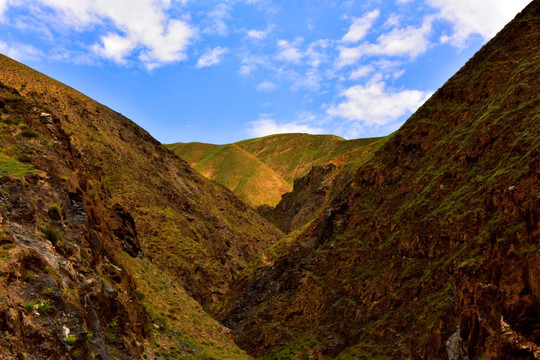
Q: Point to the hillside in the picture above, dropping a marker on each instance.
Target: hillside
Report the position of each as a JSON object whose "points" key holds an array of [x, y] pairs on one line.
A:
{"points": [[103, 223], [259, 171], [236, 169], [431, 250]]}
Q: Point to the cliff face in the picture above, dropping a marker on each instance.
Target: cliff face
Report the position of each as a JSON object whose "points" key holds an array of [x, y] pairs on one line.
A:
{"points": [[63, 291], [431, 250]]}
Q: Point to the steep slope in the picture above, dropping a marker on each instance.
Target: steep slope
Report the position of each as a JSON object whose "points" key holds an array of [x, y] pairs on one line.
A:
{"points": [[236, 169], [259, 171], [61, 283], [188, 225], [312, 192], [431, 251]]}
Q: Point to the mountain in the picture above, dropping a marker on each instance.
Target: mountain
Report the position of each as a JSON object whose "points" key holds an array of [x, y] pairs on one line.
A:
{"points": [[259, 171], [108, 238], [239, 171], [431, 249]]}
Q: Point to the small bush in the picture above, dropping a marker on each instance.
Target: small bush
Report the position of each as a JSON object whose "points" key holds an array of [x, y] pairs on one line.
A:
{"points": [[138, 294], [11, 121], [71, 340], [47, 291], [28, 132], [43, 308], [51, 234], [113, 324], [29, 306], [47, 270], [24, 159], [28, 276], [89, 335], [56, 209], [76, 354], [112, 339]]}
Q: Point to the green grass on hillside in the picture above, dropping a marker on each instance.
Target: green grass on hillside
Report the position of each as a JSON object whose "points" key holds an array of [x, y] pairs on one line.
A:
{"points": [[260, 170], [12, 167]]}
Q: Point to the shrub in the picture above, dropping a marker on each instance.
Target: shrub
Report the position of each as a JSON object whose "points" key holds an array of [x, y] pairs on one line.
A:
{"points": [[24, 159], [47, 291], [29, 306], [138, 294], [51, 234], [28, 132], [43, 308], [47, 270], [28, 276], [112, 339], [89, 335], [70, 340], [56, 209]]}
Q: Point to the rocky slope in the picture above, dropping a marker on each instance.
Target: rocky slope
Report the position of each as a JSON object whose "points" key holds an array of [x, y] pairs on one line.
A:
{"points": [[107, 235], [312, 192], [259, 171], [62, 287], [431, 251]]}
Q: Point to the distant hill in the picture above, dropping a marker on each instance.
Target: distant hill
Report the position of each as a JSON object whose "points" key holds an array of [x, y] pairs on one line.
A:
{"points": [[259, 171]]}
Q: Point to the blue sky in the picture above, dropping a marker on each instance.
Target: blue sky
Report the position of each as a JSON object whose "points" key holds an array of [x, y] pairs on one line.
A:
{"points": [[222, 71]]}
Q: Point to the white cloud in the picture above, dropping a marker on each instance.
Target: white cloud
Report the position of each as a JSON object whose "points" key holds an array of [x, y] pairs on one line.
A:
{"points": [[266, 126], [211, 57], [289, 52], [257, 34], [409, 41], [250, 63], [266, 86], [316, 52], [217, 20], [360, 27], [361, 72], [482, 17], [143, 27], [3, 7], [20, 52], [115, 47], [373, 104]]}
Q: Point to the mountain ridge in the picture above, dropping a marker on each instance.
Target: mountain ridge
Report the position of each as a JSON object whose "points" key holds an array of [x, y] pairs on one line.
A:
{"points": [[285, 158]]}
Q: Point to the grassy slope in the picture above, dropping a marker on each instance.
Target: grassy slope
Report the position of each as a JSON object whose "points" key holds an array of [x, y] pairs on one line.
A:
{"points": [[293, 155], [190, 228], [446, 208], [236, 169], [260, 170]]}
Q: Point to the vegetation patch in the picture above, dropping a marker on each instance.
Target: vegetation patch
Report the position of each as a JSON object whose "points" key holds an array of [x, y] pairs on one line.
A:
{"points": [[12, 167]]}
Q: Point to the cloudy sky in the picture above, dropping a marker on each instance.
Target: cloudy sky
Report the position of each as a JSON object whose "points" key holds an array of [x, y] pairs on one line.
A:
{"points": [[221, 71]]}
